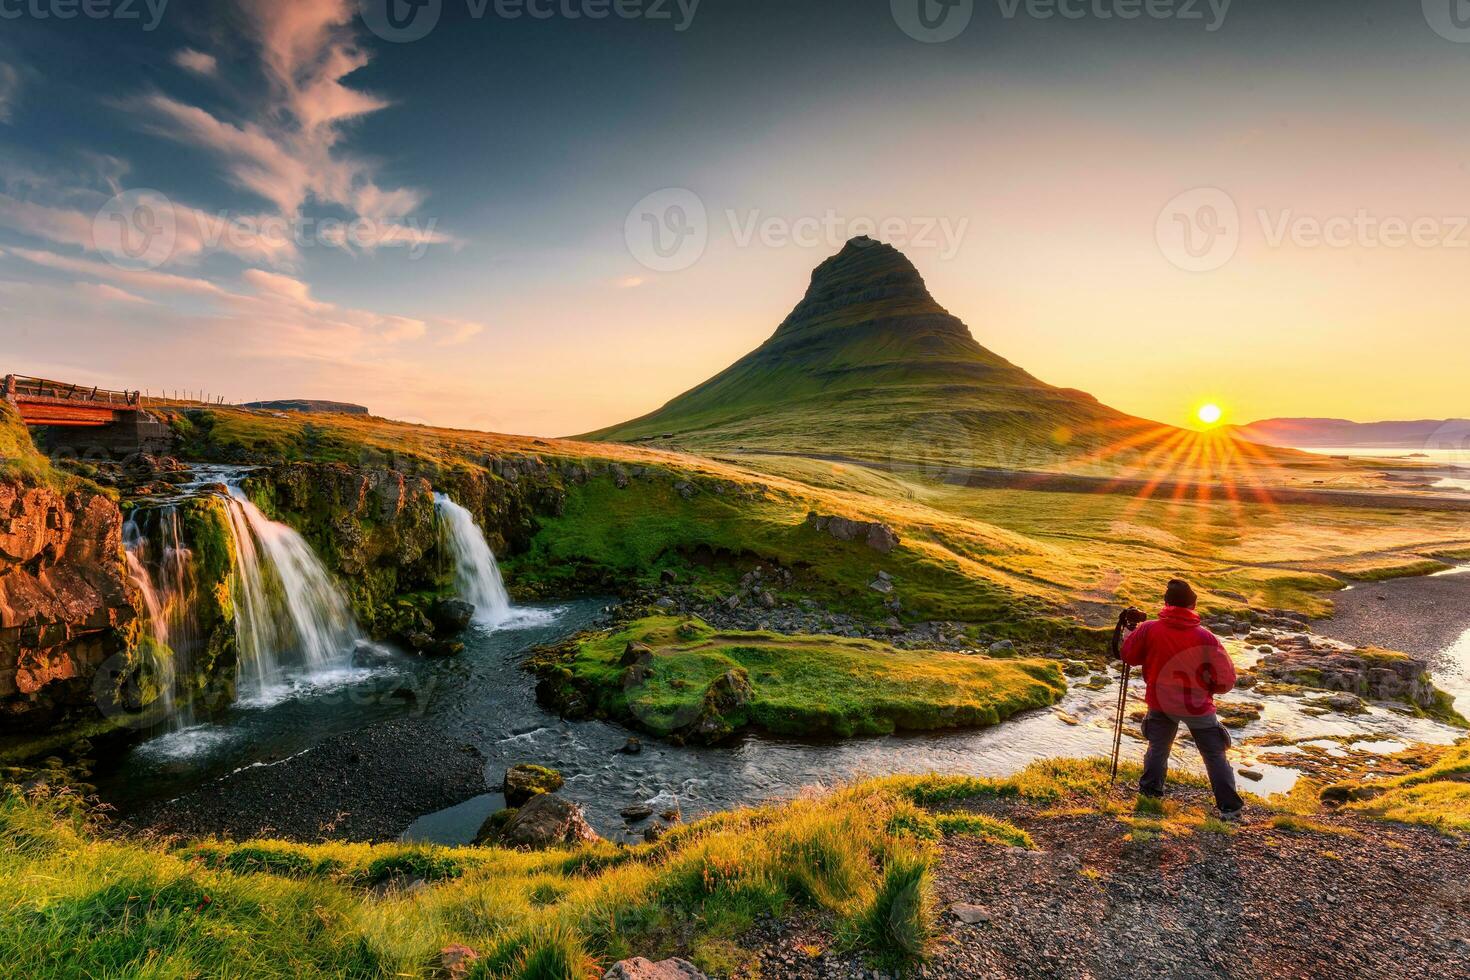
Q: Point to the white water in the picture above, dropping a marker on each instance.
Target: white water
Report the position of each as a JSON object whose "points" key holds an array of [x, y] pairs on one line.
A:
{"points": [[135, 548], [477, 577], [292, 624]]}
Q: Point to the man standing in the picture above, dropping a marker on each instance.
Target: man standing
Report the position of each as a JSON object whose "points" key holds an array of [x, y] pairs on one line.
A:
{"points": [[1184, 666]]}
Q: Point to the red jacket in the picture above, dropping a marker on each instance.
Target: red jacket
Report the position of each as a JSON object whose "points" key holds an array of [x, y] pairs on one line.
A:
{"points": [[1183, 663]]}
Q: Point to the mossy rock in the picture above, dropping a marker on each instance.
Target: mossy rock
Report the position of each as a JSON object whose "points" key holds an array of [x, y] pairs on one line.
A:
{"points": [[526, 781]]}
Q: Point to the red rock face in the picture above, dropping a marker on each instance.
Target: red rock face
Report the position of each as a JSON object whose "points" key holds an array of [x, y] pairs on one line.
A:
{"points": [[64, 600]]}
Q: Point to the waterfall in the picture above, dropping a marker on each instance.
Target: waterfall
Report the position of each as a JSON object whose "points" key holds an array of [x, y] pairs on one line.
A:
{"points": [[476, 574], [291, 621], [160, 651]]}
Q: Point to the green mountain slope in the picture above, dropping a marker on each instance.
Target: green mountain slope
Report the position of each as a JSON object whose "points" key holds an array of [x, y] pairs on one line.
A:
{"points": [[869, 365]]}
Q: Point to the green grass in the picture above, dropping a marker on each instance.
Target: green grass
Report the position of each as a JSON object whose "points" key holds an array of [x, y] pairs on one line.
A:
{"points": [[1021, 562], [82, 904], [799, 685], [1436, 795], [19, 459]]}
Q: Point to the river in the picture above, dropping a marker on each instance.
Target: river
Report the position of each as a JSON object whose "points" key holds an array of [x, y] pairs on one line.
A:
{"points": [[484, 698]]}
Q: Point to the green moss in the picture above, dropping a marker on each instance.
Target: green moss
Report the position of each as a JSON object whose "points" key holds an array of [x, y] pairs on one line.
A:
{"points": [[705, 684], [21, 461]]}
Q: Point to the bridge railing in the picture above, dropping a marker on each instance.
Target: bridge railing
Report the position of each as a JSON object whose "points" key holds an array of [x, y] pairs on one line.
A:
{"points": [[19, 387]]}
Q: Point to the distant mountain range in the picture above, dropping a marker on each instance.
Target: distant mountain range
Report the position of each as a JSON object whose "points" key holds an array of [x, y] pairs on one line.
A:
{"points": [[869, 366], [1340, 433]]}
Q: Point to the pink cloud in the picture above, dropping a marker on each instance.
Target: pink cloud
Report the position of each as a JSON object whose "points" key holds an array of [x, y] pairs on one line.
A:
{"points": [[196, 61]]}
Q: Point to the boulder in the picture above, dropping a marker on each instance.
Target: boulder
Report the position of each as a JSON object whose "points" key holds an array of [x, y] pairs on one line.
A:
{"points": [[456, 961], [879, 537], [546, 821], [635, 653], [639, 968], [451, 616], [524, 782]]}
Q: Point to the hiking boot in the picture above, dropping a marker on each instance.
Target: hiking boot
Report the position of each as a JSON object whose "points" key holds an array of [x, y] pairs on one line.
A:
{"points": [[1232, 816]]}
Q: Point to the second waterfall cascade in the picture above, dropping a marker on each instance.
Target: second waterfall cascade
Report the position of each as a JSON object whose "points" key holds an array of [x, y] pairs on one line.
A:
{"points": [[477, 575]]}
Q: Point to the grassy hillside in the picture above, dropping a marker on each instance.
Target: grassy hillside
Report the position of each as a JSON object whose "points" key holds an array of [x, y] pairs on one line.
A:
{"points": [[626, 513]]}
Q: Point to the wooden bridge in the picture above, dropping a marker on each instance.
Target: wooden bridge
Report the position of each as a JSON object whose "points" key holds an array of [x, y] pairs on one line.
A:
{"points": [[43, 402]]}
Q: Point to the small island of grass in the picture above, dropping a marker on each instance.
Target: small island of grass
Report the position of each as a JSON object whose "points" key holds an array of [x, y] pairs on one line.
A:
{"points": [[680, 678]]}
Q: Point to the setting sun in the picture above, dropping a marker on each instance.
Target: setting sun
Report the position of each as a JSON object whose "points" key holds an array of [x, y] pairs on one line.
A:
{"points": [[1210, 414]]}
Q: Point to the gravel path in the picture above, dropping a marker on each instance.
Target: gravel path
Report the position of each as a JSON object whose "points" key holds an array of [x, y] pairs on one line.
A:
{"points": [[1375, 901], [367, 785], [1422, 616]]}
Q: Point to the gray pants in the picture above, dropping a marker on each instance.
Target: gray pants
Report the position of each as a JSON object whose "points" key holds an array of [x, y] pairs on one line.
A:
{"points": [[1210, 737]]}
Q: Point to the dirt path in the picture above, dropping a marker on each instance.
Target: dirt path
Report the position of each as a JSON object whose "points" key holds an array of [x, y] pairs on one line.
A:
{"points": [[1365, 900]]}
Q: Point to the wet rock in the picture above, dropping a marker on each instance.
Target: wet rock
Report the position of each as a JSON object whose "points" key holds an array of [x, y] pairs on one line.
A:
{"points": [[1370, 674], [639, 968], [1251, 774], [631, 747], [636, 812], [451, 616], [546, 821], [525, 781]]}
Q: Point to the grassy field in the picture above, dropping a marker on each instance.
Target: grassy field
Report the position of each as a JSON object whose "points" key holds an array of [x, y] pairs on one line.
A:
{"points": [[1006, 557], [82, 904], [860, 859], [709, 684]]}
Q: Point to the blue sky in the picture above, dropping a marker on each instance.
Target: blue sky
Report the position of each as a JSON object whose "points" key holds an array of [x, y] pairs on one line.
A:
{"points": [[1026, 165]]}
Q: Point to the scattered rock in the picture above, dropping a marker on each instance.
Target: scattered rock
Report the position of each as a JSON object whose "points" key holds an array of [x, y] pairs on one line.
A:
{"points": [[970, 915], [879, 537], [631, 747], [639, 968], [1002, 647], [1251, 774], [636, 812]]}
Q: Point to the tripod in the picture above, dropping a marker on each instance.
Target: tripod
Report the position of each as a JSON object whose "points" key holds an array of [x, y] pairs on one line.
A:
{"points": [[1129, 620]]}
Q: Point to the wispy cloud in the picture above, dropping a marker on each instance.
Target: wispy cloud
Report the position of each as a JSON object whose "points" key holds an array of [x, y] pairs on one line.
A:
{"points": [[288, 150], [196, 61], [269, 303], [194, 232]]}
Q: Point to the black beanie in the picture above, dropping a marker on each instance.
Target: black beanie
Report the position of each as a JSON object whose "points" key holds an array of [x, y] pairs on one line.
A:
{"points": [[1180, 595]]}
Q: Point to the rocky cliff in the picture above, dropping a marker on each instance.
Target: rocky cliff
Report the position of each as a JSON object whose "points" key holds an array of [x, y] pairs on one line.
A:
{"points": [[65, 608]]}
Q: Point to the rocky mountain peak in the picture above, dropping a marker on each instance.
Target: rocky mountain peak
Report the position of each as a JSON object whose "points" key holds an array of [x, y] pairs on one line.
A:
{"points": [[865, 273]]}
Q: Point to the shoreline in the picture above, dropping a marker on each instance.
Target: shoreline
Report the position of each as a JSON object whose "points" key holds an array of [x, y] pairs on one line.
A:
{"points": [[1422, 615], [365, 786]]}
